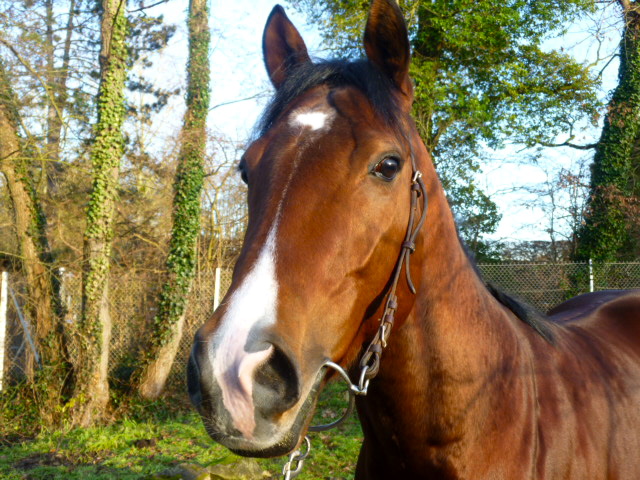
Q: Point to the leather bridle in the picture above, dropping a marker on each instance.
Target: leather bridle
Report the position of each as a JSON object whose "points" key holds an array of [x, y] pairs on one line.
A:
{"points": [[369, 364]]}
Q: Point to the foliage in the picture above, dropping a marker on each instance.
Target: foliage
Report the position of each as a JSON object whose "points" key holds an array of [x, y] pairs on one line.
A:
{"points": [[45, 307], [608, 231], [51, 51], [181, 260], [482, 79], [151, 438], [106, 155]]}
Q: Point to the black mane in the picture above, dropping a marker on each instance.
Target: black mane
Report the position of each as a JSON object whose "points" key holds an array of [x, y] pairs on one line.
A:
{"points": [[335, 73], [521, 309], [525, 312]]}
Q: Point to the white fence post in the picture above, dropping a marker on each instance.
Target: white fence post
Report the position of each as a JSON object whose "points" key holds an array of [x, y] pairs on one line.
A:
{"points": [[25, 327], [4, 300], [591, 280], [216, 290]]}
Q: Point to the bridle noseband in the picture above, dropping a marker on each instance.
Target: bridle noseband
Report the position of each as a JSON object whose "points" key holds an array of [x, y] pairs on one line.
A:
{"points": [[369, 364]]}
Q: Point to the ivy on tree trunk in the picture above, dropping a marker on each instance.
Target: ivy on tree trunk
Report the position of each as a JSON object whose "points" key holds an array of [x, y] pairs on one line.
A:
{"points": [[605, 234], [94, 330], [181, 260], [43, 306]]}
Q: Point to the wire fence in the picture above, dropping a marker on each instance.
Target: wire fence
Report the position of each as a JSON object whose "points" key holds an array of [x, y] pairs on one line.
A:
{"points": [[133, 306]]}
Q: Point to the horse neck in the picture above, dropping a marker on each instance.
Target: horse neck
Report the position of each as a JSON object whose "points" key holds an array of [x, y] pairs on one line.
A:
{"points": [[442, 359]]}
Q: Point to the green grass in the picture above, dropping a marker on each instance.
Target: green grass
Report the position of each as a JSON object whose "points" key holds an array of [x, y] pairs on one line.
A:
{"points": [[149, 441]]}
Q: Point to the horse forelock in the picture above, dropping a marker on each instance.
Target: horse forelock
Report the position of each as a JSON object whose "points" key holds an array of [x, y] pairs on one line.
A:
{"points": [[360, 74]]}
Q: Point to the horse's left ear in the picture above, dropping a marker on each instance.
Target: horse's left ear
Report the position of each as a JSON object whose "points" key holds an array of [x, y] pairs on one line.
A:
{"points": [[282, 47], [386, 42]]}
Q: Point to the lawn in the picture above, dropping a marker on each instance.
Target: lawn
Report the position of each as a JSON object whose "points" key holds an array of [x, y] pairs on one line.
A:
{"points": [[155, 442]]}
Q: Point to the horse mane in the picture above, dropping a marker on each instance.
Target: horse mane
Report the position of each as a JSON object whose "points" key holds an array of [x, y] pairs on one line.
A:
{"points": [[521, 309], [361, 74], [525, 312]]}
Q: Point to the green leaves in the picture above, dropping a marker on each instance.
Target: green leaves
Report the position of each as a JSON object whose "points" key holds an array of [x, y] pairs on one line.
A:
{"points": [[608, 233], [181, 260], [482, 77]]}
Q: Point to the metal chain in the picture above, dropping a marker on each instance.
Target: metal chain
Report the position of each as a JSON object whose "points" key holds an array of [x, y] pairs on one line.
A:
{"points": [[293, 467]]}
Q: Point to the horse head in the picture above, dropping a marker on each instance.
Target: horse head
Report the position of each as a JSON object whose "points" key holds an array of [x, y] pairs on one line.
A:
{"points": [[329, 192]]}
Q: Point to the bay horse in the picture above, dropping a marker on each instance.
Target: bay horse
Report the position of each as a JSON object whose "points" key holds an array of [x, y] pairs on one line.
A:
{"points": [[472, 384]]}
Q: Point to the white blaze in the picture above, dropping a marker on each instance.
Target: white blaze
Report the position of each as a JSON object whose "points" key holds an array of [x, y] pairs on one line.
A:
{"points": [[253, 303], [315, 120]]}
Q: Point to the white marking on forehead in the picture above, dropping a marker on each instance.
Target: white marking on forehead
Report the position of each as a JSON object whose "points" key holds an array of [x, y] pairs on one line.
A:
{"points": [[314, 119], [253, 303]]}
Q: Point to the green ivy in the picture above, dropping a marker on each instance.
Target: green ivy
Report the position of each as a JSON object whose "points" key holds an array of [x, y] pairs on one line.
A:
{"points": [[605, 235], [182, 257], [106, 154]]}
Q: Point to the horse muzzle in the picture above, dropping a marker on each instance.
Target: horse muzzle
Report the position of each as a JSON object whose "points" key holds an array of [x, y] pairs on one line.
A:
{"points": [[249, 397]]}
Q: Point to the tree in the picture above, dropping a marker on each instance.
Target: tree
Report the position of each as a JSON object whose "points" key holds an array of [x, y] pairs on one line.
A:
{"points": [[482, 79], [181, 260], [607, 234], [562, 199], [91, 393], [225, 210], [50, 51], [44, 307]]}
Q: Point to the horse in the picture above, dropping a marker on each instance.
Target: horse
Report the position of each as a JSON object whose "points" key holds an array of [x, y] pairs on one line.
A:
{"points": [[351, 258]]}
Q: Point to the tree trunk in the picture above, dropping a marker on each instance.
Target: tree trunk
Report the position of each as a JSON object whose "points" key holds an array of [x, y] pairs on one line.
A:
{"points": [[56, 84], [605, 234], [92, 390], [43, 306], [181, 260]]}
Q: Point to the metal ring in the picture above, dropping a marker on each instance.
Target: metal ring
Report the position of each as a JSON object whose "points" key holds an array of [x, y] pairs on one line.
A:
{"points": [[350, 407], [363, 385]]}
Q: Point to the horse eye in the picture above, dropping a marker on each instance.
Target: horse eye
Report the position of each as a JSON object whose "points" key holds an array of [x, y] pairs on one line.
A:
{"points": [[243, 172], [387, 169]]}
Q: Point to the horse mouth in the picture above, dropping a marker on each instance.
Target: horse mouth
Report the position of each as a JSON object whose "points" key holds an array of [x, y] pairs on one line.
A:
{"points": [[272, 440]]}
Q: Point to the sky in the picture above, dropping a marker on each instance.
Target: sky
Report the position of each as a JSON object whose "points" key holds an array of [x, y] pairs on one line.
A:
{"points": [[237, 69], [240, 88]]}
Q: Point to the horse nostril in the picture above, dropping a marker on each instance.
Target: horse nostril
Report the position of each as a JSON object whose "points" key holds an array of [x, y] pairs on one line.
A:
{"points": [[193, 381], [276, 386]]}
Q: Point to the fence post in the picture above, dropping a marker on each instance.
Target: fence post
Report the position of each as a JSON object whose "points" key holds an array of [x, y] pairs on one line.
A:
{"points": [[216, 290], [4, 300], [591, 281], [25, 327]]}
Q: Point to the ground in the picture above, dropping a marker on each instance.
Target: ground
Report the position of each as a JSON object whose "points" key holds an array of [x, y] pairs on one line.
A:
{"points": [[152, 442]]}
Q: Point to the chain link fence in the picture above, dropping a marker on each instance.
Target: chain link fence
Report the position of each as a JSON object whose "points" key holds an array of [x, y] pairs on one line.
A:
{"points": [[133, 305], [545, 285]]}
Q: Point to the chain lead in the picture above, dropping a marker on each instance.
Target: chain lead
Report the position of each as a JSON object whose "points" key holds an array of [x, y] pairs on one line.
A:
{"points": [[296, 458]]}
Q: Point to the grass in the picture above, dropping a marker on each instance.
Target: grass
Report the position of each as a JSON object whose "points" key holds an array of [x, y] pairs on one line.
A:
{"points": [[149, 441]]}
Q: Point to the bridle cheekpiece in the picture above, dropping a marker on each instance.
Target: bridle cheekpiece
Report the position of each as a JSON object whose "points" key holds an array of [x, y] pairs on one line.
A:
{"points": [[369, 364]]}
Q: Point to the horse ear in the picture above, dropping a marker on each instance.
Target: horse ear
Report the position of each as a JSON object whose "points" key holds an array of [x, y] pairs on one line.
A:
{"points": [[282, 47], [386, 42]]}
